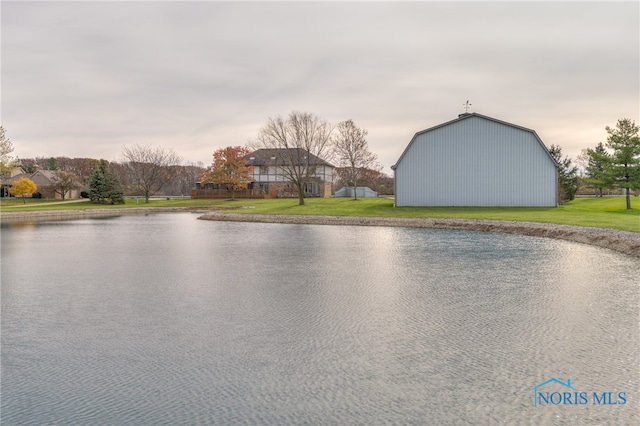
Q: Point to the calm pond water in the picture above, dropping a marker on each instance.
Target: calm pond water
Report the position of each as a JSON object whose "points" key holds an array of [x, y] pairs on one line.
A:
{"points": [[165, 319]]}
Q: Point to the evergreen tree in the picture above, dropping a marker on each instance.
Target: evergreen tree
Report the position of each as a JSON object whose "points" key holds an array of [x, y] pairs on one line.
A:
{"points": [[97, 186], [104, 188], [595, 171], [53, 163], [568, 180], [623, 165]]}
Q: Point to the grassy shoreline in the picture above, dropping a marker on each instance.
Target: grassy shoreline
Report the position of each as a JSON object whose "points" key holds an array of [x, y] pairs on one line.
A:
{"points": [[586, 212], [600, 222]]}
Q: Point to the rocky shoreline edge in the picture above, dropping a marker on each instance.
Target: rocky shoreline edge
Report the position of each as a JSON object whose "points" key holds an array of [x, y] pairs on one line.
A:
{"points": [[620, 241]]}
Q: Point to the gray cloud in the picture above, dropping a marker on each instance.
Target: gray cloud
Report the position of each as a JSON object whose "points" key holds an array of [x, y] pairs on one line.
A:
{"points": [[84, 79]]}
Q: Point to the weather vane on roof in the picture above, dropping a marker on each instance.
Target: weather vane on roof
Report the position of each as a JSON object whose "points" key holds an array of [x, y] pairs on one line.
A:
{"points": [[466, 106]]}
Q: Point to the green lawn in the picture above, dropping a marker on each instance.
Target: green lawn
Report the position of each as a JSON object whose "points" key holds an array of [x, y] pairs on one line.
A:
{"points": [[592, 212]]}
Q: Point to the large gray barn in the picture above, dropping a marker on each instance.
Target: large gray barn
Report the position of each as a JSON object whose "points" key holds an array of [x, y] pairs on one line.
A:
{"points": [[476, 160]]}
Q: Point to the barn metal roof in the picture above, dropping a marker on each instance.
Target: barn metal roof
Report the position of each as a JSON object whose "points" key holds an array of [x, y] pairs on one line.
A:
{"points": [[466, 116]]}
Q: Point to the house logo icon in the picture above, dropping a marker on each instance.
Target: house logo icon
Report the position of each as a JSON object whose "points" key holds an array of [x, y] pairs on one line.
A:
{"points": [[561, 393], [536, 392]]}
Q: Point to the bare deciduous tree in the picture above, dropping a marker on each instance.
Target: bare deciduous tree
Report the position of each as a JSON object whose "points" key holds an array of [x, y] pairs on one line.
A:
{"points": [[353, 155], [64, 182], [185, 179], [299, 142], [366, 177], [149, 168], [6, 159]]}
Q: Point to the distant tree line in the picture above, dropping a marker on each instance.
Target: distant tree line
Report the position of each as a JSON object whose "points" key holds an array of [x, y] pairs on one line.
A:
{"points": [[611, 168], [300, 138], [146, 170], [108, 181]]}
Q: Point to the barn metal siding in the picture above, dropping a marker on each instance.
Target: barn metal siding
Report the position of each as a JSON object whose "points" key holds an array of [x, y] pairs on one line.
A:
{"points": [[476, 161]]}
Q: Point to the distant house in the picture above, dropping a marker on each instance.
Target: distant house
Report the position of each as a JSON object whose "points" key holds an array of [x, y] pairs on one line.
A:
{"points": [[476, 160], [8, 178], [270, 176], [44, 180]]}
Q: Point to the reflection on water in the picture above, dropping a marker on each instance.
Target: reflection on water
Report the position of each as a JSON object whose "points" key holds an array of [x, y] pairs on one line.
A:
{"points": [[165, 319]]}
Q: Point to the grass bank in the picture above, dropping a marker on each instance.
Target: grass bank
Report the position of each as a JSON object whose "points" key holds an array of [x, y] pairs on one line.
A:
{"points": [[588, 212]]}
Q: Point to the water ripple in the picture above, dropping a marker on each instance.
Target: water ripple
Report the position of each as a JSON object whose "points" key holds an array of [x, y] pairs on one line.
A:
{"points": [[222, 323]]}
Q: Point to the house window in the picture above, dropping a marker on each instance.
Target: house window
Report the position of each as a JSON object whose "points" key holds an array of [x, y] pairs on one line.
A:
{"points": [[264, 187], [310, 188]]}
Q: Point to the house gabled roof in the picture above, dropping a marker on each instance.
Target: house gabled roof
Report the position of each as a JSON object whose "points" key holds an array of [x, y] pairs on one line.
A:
{"points": [[18, 176], [474, 114], [273, 157], [48, 175], [15, 171], [40, 177]]}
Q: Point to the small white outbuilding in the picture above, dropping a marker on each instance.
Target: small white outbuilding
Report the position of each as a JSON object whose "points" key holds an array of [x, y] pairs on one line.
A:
{"points": [[476, 160], [361, 191]]}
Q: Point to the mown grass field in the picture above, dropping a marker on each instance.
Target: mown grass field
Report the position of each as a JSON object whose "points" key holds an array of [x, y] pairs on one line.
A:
{"points": [[592, 212]]}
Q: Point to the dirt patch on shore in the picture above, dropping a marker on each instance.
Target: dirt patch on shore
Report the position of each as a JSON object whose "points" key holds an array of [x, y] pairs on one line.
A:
{"points": [[620, 241]]}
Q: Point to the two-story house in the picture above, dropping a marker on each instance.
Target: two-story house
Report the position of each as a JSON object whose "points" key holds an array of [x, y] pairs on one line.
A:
{"points": [[272, 170]]}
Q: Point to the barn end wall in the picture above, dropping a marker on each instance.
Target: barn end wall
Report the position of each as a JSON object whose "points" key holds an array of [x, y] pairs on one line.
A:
{"points": [[476, 162]]}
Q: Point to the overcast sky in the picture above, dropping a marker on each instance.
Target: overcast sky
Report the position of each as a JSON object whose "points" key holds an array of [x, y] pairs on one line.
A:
{"points": [[84, 79]]}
